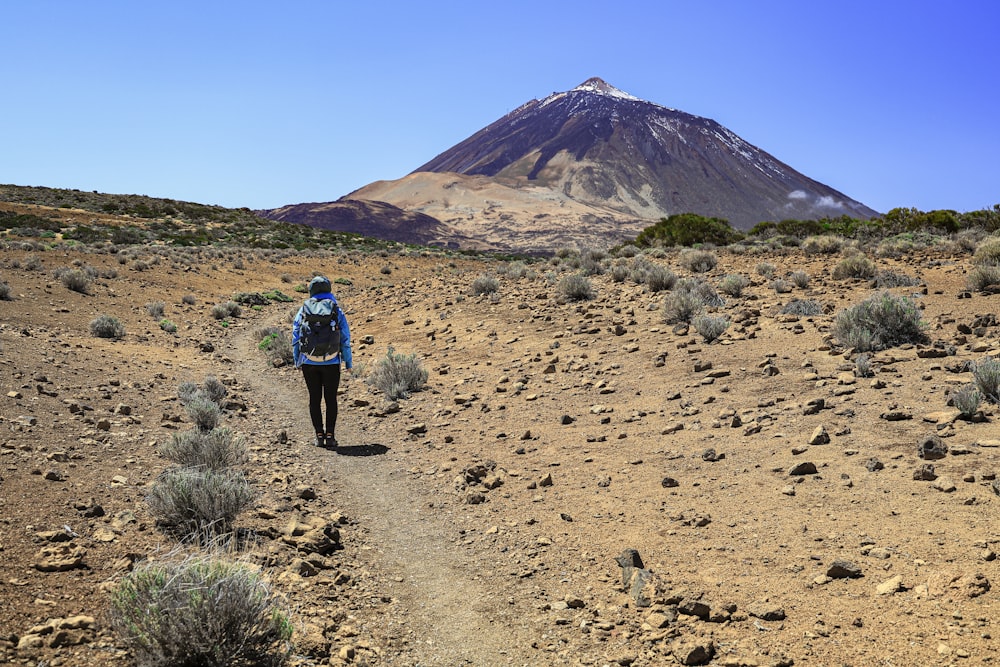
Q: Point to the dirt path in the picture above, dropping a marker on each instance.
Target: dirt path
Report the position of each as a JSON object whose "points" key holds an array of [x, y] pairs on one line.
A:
{"points": [[441, 614]]}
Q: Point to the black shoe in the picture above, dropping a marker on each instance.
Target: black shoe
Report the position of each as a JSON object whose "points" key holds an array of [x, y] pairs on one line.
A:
{"points": [[320, 440], [331, 441]]}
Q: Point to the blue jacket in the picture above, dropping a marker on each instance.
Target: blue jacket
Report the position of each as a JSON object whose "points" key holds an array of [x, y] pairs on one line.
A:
{"points": [[345, 338]]}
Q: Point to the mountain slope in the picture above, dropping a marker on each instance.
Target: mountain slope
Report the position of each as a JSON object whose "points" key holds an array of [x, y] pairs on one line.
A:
{"points": [[603, 147], [594, 166]]}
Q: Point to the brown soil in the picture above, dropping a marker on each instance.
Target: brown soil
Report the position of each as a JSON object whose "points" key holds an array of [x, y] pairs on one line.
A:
{"points": [[574, 414]]}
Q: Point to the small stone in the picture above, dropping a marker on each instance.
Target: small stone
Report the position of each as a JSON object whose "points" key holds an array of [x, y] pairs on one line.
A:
{"points": [[931, 447], [819, 437], [669, 483], [804, 468], [890, 586], [925, 473], [842, 569], [766, 611], [944, 484]]}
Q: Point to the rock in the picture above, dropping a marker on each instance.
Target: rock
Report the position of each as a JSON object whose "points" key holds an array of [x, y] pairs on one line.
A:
{"points": [[931, 447], [546, 481], [669, 483], [896, 416], [804, 468], [874, 465], [766, 611], [417, 429], [59, 633], [305, 492], [890, 586], [842, 569], [316, 535], [711, 456], [944, 484], [925, 473], [819, 437], [662, 618], [957, 585], [694, 608], [693, 650], [814, 406], [60, 558]]}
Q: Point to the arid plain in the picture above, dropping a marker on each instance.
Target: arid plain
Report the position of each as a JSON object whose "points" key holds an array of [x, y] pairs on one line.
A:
{"points": [[479, 520]]}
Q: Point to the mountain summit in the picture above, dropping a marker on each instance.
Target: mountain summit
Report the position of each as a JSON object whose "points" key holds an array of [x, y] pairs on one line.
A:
{"points": [[595, 165]]}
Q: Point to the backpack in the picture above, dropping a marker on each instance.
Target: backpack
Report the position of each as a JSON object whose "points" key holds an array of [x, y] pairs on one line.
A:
{"points": [[319, 333]]}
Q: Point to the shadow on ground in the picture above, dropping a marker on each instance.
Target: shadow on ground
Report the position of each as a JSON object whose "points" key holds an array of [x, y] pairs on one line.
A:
{"points": [[362, 450]]}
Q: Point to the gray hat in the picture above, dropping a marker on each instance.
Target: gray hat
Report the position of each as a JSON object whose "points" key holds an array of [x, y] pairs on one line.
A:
{"points": [[318, 285]]}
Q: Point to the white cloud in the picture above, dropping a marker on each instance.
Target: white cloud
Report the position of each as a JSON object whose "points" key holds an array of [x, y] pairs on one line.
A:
{"points": [[798, 194]]}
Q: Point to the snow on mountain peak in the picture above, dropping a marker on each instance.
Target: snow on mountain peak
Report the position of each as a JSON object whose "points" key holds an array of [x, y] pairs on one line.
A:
{"points": [[601, 87]]}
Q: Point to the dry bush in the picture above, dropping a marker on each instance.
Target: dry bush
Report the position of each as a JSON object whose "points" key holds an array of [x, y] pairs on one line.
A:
{"points": [[217, 449], [800, 279], [855, 266], [200, 611], [881, 321], [575, 287], [733, 285], [824, 244], [107, 326], [697, 261], [710, 327], [986, 375], [988, 252], [484, 284], [983, 277], [198, 504], [398, 375]]}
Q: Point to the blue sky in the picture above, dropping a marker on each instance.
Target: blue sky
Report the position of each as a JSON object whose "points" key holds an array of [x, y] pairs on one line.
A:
{"points": [[262, 104]]}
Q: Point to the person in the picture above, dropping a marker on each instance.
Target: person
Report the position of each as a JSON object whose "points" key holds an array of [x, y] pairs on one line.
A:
{"points": [[321, 365]]}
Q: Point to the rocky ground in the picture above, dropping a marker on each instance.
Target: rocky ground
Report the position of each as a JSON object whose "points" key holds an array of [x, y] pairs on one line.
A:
{"points": [[781, 506]]}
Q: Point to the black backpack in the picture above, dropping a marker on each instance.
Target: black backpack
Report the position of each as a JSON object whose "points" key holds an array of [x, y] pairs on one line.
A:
{"points": [[319, 333]]}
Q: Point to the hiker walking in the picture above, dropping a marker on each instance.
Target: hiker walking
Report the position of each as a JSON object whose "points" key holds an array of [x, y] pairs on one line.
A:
{"points": [[320, 342]]}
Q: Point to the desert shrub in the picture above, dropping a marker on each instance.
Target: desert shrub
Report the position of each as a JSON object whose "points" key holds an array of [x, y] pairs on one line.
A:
{"points": [[229, 309], [186, 391], [863, 366], [889, 278], [781, 286], [681, 307], [516, 270], [966, 400], [200, 611], [485, 284], [168, 326], [107, 326], [189, 299], [710, 327], [879, 322], [199, 504], [156, 309], [619, 273], [5, 292], [765, 269], [204, 412], [825, 244], [983, 277], [701, 290], [217, 449], [627, 250], [659, 278], [76, 280], [802, 307], [986, 375], [733, 285], [398, 375], [855, 266], [697, 261], [33, 263], [575, 287], [988, 252], [214, 389], [275, 343], [800, 279]]}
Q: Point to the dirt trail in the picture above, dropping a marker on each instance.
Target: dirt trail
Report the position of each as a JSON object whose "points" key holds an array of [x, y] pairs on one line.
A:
{"points": [[443, 615]]}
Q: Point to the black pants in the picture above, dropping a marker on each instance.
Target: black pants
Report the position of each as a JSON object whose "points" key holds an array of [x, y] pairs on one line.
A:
{"points": [[322, 383]]}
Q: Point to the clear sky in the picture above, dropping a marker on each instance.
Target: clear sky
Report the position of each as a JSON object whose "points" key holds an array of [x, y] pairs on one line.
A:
{"points": [[261, 104]]}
